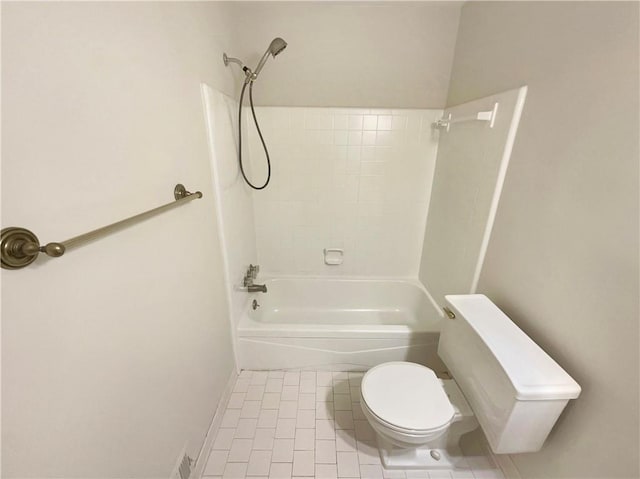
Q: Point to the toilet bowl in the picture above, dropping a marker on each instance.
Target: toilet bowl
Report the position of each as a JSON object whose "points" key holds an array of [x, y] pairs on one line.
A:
{"points": [[405, 402], [418, 418], [516, 390]]}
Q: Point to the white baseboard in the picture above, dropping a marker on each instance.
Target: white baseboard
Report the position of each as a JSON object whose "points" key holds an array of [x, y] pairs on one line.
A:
{"points": [[205, 450], [505, 463]]}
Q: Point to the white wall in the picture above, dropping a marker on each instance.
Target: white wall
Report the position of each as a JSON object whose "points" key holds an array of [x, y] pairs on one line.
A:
{"points": [[114, 356], [563, 257], [354, 179], [350, 54]]}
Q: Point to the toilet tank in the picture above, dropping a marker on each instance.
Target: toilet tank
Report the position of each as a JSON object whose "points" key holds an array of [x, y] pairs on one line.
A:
{"points": [[515, 389]]}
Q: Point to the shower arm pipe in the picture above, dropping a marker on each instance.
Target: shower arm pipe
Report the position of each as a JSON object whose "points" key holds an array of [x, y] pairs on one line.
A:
{"points": [[250, 76], [227, 59], [20, 247]]}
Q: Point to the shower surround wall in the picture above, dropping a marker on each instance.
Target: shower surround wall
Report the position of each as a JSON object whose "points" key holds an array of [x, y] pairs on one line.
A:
{"points": [[233, 200], [354, 179]]}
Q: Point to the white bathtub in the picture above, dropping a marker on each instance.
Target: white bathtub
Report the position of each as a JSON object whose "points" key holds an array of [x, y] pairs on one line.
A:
{"points": [[341, 324]]}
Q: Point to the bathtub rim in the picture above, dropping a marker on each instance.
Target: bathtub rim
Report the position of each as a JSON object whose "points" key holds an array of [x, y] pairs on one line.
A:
{"points": [[250, 328], [413, 281]]}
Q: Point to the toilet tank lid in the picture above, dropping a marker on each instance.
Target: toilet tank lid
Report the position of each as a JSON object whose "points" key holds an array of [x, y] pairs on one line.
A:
{"points": [[532, 372]]}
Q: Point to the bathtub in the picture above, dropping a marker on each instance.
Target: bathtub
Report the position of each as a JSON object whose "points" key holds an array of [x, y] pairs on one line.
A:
{"points": [[339, 324]]}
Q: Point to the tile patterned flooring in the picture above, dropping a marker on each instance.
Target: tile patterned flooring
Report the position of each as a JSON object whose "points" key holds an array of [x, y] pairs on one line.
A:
{"points": [[308, 424]]}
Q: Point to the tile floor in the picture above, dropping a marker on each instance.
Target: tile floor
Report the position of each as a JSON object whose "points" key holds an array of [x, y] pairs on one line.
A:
{"points": [[308, 424]]}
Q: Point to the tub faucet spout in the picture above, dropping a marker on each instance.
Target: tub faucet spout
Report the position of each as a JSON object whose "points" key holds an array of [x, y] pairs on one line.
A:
{"points": [[257, 288], [249, 276]]}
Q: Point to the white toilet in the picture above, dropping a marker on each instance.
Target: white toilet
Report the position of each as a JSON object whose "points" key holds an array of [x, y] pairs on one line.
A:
{"points": [[502, 381]]}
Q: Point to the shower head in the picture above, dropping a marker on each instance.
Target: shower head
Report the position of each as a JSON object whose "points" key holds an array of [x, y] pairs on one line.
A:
{"points": [[275, 47]]}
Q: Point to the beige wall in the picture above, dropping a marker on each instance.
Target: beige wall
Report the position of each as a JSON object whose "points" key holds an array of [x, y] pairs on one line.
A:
{"points": [[114, 357], [563, 257], [353, 54]]}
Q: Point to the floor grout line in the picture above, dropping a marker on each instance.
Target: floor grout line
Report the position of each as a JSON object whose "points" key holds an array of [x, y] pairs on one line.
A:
{"points": [[266, 429]]}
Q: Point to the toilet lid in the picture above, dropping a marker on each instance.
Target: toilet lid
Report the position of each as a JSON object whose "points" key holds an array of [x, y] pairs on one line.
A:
{"points": [[407, 395]]}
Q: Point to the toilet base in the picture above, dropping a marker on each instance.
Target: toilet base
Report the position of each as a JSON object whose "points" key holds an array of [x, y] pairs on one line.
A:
{"points": [[420, 457], [445, 448], [439, 451]]}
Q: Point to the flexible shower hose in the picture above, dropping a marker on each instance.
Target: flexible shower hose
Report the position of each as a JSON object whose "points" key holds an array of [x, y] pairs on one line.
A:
{"points": [[255, 120]]}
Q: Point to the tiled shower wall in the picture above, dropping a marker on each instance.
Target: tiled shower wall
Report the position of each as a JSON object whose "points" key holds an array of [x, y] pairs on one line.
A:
{"points": [[354, 179]]}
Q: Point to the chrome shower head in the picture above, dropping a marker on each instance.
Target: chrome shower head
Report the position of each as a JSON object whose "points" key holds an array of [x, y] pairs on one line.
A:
{"points": [[275, 47]]}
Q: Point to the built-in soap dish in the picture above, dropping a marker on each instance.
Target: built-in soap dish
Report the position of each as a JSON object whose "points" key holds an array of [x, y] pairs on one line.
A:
{"points": [[333, 256]]}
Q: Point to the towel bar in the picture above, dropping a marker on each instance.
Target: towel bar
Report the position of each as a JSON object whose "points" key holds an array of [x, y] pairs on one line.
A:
{"points": [[19, 247]]}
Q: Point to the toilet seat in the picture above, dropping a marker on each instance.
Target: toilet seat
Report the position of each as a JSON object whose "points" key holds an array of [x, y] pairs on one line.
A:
{"points": [[407, 398], [404, 432]]}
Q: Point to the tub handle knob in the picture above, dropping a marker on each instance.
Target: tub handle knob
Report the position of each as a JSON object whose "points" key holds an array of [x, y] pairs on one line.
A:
{"points": [[253, 271]]}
